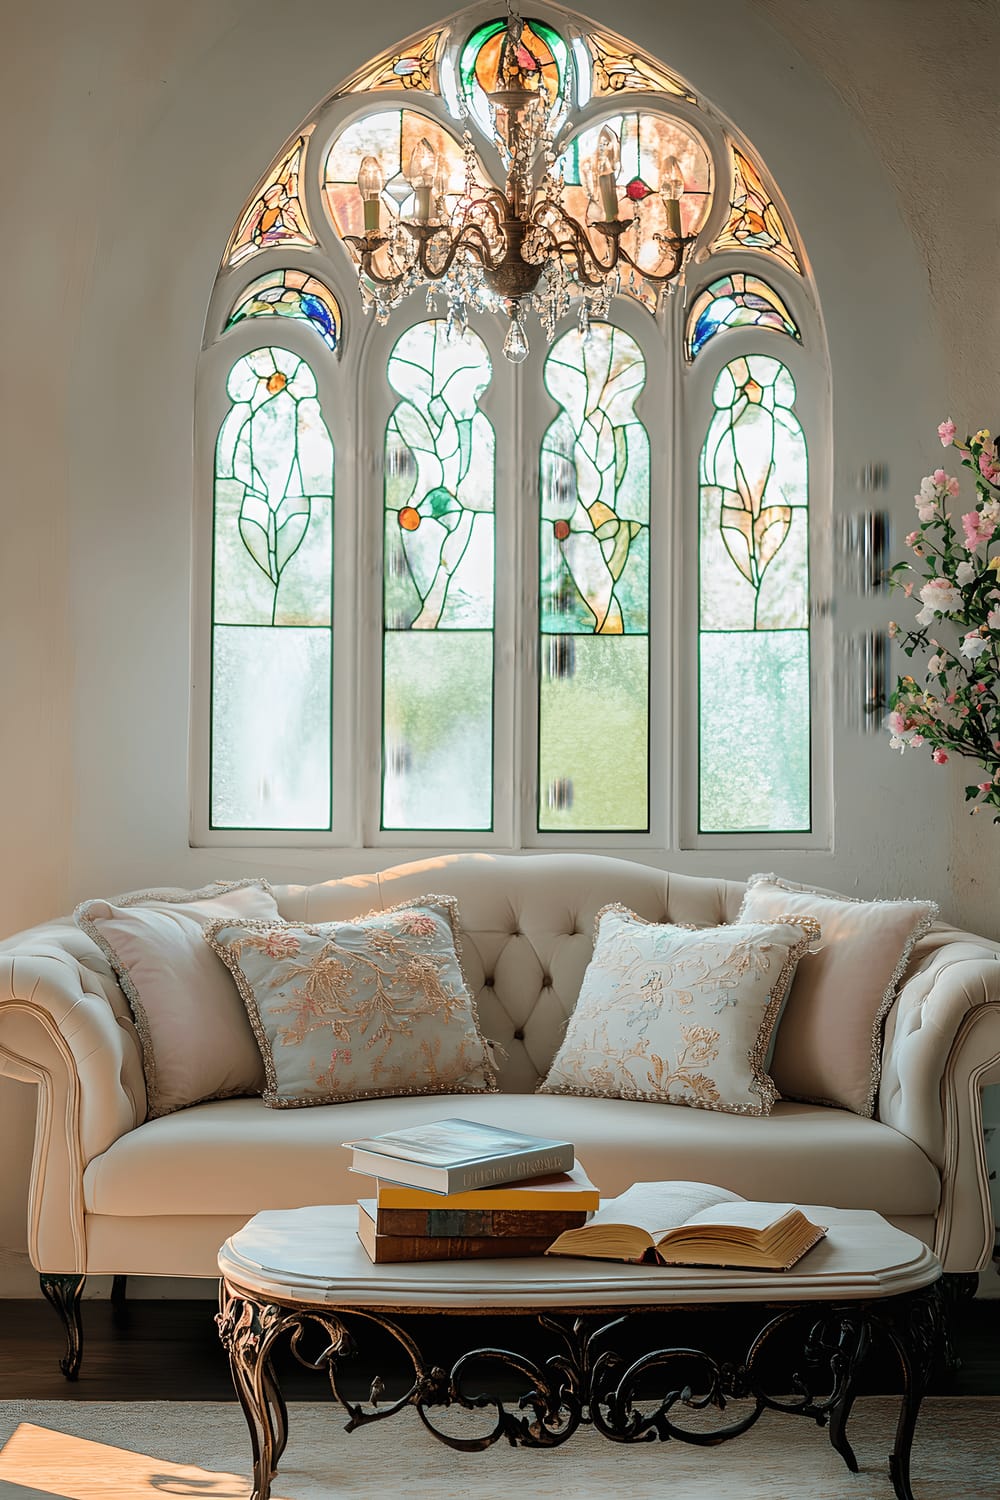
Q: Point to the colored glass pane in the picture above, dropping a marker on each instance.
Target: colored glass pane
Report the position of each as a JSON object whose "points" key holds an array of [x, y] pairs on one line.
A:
{"points": [[754, 221], [619, 68], [290, 294], [479, 65], [438, 585], [648, 141], [275, 214], [272, 599], [594, 587], [754, 719], [735, 301], [408, 67], [389, 136]]}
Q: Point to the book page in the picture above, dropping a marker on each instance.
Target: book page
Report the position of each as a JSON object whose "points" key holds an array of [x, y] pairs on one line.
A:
{"points": [[659, 1206], [742, 1214]]}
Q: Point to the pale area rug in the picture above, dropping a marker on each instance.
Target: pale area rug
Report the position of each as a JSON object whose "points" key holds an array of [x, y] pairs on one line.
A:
{"points": [[76, 1450]]}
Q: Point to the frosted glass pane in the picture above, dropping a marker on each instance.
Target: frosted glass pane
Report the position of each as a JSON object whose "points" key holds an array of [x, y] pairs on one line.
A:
{"points": [[271, 714], [593, 714], [754, 732], [438, 717]]}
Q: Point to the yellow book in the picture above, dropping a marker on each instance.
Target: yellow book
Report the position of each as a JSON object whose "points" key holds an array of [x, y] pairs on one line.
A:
{"points": [[559, 1190], [693, 1224]]}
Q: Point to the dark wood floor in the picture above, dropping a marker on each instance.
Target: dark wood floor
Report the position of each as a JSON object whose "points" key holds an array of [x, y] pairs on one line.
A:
{"points": [[170, 1351]]}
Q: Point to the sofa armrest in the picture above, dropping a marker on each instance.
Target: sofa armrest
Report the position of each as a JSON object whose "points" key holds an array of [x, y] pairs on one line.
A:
{"points": [[59, 1031], [942, 1048]]}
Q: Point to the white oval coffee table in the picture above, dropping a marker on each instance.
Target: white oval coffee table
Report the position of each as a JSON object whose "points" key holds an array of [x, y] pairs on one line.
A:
{"points": [[299, 1273]]}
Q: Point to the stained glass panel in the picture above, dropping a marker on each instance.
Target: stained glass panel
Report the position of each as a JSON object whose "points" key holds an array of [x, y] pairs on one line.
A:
{"points": [[594, 588], [290, 294], [754, 221], [438, 580], [620, 68], [389, 136], [272, 599], [276, 214], [543, 52], [735, 301], [754, 605], [652, 145], [409, 67]]}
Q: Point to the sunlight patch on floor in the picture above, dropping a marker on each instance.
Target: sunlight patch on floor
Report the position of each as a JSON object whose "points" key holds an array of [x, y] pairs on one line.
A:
{"points": [[57, 1465]]}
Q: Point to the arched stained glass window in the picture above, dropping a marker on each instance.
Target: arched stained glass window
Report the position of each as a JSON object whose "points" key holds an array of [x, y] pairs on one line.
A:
{"points": [[409, 67], [593, 695], [648, 142], [271, 600], [735, 301], [438, 582], [389, 136], [276, 213], [569, 600], [754, 605], [618, 68], [290, 294], [754, 221]]}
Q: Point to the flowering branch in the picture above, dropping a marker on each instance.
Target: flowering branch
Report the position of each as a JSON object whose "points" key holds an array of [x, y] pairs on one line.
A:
{"points": [[956, 705]]}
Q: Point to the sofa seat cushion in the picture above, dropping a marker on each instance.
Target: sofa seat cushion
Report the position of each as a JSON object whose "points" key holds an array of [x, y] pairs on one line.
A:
{"points": [[235, 1156]]}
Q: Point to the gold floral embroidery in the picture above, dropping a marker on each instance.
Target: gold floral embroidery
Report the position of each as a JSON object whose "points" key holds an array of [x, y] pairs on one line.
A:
{"points": [[387, 990]]}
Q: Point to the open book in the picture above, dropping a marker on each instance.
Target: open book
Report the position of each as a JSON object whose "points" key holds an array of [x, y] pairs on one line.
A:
{"points": [[692, 1224]]}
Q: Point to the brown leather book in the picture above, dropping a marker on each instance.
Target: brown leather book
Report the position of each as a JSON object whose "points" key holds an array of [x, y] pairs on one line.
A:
{"points": [[470, 1223], [384, 1248]]}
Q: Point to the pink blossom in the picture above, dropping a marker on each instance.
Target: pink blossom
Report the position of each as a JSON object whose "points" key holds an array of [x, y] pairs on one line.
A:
{"points": [[898, 723], [984, 786], [907, 589], [993, 619], [916, 740], [938, 757], [989, 468], [946, 432], [977, 529], [911, 537]]}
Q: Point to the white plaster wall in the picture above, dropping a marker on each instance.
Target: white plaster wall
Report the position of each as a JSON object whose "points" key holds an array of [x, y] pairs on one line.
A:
{"points": [[140, 128]]}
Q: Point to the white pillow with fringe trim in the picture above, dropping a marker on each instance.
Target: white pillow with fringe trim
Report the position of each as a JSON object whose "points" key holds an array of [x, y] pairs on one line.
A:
{"points": [[197, 1043], [828, 1048]]}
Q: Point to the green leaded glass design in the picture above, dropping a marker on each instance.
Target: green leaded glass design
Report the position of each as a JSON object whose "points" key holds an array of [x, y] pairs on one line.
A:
{"points": [[438, 587], [272, 600], [543, 55], [754, 717], [593, 699]]}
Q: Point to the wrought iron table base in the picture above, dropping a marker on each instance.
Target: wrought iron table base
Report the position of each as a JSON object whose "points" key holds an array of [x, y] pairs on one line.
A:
{"points": [[586, 1382]]}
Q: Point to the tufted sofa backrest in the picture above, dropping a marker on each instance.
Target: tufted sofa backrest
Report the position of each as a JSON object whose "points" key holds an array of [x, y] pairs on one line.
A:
{"points": [[527, 930]]}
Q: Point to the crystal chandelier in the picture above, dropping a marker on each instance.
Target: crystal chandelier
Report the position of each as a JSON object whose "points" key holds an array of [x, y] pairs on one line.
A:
{"points": [[520, 248]]}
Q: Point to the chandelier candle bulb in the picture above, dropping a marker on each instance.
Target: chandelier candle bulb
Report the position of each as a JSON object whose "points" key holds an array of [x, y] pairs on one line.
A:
{"points": [[671, 191], [420, 175], [608, 160], [370, 182]]}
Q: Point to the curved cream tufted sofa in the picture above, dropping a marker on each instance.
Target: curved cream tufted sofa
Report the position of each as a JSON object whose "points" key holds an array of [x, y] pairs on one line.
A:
{"points": [[113, 1192]]}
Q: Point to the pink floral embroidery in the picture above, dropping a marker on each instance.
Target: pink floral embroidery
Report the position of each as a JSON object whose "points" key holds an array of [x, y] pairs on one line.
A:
{"points": [[416, 924]]}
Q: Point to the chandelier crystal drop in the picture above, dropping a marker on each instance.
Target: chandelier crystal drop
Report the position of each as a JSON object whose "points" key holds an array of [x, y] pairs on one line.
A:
{"points": [[516, 249]]}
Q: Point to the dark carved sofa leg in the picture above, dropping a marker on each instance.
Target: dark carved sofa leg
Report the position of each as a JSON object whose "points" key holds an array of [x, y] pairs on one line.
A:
{"points": [[119, 1306], [64, 1294], [956, 1288]]}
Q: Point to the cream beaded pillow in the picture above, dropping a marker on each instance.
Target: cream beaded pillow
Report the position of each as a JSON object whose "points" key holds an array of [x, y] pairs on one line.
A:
{"points": [[680, 1015], [360, 1009]]}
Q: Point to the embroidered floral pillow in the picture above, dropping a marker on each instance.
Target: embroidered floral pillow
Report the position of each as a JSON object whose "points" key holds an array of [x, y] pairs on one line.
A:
{"points": [[679, 1015], [361, 1009]]}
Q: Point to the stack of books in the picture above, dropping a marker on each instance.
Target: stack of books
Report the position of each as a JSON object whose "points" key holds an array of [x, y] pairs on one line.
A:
{"points": [[455, 1190]]}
